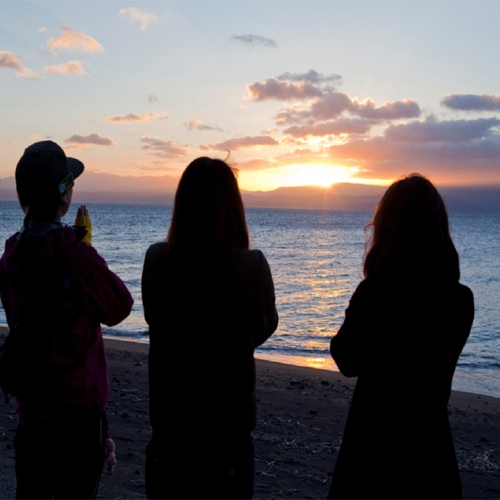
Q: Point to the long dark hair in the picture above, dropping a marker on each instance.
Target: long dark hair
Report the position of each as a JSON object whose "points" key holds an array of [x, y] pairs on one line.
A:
{"points": [[410, 233], [208, 210]]}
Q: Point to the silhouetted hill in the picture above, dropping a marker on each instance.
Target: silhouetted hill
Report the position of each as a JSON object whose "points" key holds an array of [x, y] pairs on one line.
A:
{"points": [[108, 188]]}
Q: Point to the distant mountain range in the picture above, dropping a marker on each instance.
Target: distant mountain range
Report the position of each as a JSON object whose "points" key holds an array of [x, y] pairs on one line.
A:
{"points": [[108, 188]]}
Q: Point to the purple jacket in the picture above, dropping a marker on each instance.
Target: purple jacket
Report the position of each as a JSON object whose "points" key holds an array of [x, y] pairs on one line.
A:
{"points": [[94, 295]]}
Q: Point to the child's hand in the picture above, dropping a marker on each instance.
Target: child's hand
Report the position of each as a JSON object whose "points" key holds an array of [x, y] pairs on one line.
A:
{"points": [[83, 220], [109, 451]]}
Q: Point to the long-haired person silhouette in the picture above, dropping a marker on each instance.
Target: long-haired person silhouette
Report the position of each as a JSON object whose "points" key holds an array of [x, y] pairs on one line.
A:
{"points": [[208, 301], [403, 332]]}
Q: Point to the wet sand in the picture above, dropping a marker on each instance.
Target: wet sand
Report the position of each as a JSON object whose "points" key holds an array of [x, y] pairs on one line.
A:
{"points": [[301, 417]]}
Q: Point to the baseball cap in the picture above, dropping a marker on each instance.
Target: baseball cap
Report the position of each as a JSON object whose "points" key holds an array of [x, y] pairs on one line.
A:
{"points": [[45, 172]]}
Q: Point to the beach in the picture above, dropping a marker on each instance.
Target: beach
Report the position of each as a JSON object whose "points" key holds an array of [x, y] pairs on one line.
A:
{"points": [[301, 417]]}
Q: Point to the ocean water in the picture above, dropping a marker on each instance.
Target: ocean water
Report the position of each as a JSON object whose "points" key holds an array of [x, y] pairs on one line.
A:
{"points": [[316, 261]]}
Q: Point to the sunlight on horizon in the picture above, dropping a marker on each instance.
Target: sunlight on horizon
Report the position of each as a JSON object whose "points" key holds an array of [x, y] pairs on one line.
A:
{"points": [[296, 175]]}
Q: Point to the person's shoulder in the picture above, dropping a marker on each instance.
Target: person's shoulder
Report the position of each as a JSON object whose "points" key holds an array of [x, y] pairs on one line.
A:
{"points": [[249, 257], [464, 292], [160, 246], [156, 251], [369, 285], [249, 262]]}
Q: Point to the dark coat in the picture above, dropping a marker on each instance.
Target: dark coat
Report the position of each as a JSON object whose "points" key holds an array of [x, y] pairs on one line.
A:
{"points": [[206, 314], [402, 340], [89, 294]]}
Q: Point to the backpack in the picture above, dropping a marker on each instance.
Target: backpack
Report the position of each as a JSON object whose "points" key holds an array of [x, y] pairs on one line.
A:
{"points": [[26, 354], [24, 361]]}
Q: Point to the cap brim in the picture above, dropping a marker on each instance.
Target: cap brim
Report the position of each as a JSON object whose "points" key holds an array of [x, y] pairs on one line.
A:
{"points": [[76, 167]]}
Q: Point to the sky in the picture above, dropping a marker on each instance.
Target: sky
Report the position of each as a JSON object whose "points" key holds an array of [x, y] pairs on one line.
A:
{"points": [[295, 92]]}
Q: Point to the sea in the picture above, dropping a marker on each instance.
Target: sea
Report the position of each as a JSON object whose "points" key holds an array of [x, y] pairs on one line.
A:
{"points": [[316, 261]]}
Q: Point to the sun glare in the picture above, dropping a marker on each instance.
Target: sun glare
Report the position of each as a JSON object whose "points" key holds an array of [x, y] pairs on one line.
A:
{"points": [[320, 175], [297, 175]]}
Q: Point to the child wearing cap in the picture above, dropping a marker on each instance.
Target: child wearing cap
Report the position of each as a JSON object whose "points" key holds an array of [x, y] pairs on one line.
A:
{"points": [[53, 282]]}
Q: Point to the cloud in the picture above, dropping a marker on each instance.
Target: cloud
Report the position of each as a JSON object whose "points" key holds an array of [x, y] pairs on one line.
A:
{"points": [[136, 118], [331, 104], [135, 15], [163, 149], [472, 102], [393, 110], [199, 125], [431, 130], [324, 103], [244, 142], [255, 164], [333, 127], [9, 60], [69, 68], [73, 41], [311, 76], [291, 86], [252, 41], [281, 90], [383, 158], [94, 139]]}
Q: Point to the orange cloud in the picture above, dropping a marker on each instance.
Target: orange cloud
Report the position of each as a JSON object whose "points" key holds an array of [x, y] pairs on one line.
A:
{"points": [[73, 41], [69, 68], [136, 118], [11, 61], [473, 161]]}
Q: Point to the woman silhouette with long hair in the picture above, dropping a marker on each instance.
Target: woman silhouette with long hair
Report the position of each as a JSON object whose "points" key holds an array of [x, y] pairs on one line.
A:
{"points": [[404, 330], [209, 301]]}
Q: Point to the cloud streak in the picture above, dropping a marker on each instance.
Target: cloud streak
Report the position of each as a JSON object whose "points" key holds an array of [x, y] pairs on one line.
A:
{"points": [[334, 127], [91, 139], [199, 125], [311, 76], [431, 130], [244, 142], [145, 19], [253, 41], [472, 102], [163, 149], [135, 118]]}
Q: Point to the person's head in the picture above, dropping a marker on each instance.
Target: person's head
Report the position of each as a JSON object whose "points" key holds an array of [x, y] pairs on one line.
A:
{"points": [[44, 180], [208, 209], [410, 233]]}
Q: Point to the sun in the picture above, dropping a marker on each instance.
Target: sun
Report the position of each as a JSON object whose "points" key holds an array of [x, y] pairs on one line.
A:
{"points": [[307, 174], [320, 175]]}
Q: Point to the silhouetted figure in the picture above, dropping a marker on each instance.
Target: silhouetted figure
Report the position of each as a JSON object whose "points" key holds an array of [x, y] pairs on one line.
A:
{"points": [[209, 301], [56, 291], [403, 332]]}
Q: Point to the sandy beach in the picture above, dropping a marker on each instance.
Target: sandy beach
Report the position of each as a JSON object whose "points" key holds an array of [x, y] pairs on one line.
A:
{"points": [[301, 417]]}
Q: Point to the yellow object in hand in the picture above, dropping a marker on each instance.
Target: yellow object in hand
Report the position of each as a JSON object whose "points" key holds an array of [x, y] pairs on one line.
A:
{"points": [[83, 220]]}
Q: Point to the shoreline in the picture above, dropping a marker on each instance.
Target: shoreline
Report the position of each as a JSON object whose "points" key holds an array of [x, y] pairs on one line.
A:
{"points": [[301, 417], [320, 363], [461, 378]]}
